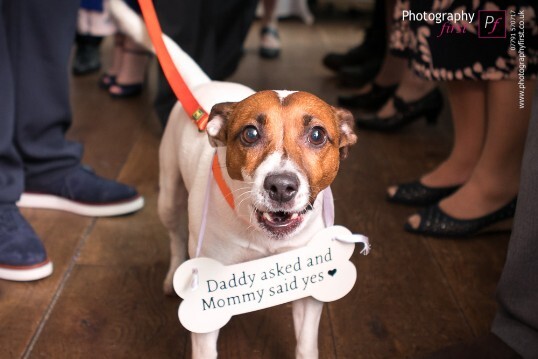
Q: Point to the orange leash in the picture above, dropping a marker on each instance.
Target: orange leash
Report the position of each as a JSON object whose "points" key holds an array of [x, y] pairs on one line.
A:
{"points": [[180, 88], [182, 92]]}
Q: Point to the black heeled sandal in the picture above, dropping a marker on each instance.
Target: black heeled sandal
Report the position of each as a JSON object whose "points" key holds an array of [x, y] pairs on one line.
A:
{"points": [[370, 101], [417, 194], [428, 106], [436, 223], [129, 90], [106, 80]]}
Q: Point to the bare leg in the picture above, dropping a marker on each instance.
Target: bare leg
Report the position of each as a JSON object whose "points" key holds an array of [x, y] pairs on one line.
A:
{"points": [[306, 317], [115, 64], [134, 61], [468, 107], [393, 68], [269, 41], [495, 179], [269, 13]]}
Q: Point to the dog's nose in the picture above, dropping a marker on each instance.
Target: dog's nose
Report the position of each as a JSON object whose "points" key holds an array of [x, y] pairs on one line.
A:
{"points": [[281, 187]]}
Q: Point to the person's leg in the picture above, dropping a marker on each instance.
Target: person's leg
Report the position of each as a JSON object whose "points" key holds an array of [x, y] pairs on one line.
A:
{"points": [[210, 31], [516, 322], [233, 20], [372, 46], [468, 107], [129, 78], [269, 37], [360, 64], [269, 17], [181, 21], [391, 73], [11, 167], [22, 255], [40, 36], [87, 57], [494, 181], [109, 77]]}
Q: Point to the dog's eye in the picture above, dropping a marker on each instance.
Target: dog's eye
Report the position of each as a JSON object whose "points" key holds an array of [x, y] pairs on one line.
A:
{"points": [[250, 135], [317, 136]]}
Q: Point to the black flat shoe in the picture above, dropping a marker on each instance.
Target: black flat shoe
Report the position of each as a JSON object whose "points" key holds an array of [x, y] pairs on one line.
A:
{"points": [[360, 75], [355, 56], [87, 59], [428, 106], [370, 101], [436, 223], [417, 194]]}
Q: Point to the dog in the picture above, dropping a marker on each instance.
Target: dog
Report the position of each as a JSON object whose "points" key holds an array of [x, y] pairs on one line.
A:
{"points": [[279, 149]]}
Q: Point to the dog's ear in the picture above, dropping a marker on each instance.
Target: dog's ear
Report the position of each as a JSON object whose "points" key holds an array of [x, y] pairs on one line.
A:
{"points": [[347, 136], [218, 122]]}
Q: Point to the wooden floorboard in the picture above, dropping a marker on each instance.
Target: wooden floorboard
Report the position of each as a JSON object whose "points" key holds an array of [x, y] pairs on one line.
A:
{"points": [[413, 294]]}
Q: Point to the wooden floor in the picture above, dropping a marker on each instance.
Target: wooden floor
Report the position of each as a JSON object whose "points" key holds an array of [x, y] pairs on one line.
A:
{"points": [[104, 300]]}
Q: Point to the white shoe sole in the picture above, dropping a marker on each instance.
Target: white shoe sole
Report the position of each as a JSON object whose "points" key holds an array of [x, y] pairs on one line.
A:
{"points": [[45, 201], [26, 275]]}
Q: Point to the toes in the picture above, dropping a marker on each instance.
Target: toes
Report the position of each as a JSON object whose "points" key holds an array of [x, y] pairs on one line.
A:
{"points": [[391, 191], [414, 221]]}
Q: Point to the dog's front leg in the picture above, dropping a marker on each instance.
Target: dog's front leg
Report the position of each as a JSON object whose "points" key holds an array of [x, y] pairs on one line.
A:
{"points": [[204, 345], [306, 317]]}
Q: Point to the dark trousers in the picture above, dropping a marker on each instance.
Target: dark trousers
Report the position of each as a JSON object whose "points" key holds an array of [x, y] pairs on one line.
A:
{"points": [[35, 41], [210, 31], [516, 322]]}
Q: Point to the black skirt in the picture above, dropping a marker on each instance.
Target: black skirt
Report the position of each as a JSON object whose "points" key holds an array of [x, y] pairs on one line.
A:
{"points": [[443, 44]]}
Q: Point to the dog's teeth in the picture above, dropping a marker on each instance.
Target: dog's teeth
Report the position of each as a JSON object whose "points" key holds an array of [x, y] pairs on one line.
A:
{"points": [[294, 216], [267, 216]]}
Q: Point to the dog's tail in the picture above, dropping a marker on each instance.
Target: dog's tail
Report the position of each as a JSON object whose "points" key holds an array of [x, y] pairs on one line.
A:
{"points": [[132, 25]]}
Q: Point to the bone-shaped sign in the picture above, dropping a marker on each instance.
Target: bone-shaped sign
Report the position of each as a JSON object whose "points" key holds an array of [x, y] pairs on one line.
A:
{"points": [[321, 269]]}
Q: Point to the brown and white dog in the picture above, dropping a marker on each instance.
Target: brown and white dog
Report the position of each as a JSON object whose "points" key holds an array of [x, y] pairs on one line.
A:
{"points": [[280, 149]]}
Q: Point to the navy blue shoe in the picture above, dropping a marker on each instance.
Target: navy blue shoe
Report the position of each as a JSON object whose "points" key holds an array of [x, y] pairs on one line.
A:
{"points": [[22, 255], [82, 192]]}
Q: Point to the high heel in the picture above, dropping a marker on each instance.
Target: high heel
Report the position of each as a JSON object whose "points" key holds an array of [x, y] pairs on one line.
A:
{"points": [[436, 223], [370, 101], [106, 80], [429, 106], [129, 90], [417, 194]]}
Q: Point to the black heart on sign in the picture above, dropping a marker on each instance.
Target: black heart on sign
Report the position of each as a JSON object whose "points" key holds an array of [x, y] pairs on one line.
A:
{"points": [[332, 272]]}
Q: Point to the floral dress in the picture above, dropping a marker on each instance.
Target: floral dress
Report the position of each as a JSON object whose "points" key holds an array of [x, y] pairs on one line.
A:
{"points": [[457, 50]]}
